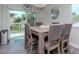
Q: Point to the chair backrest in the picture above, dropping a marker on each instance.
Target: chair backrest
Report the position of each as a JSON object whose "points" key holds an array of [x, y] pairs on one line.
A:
{"points": [[55, 32], [31, 23], [27, 29], [55, 22], [67, 29], [39, 23]]}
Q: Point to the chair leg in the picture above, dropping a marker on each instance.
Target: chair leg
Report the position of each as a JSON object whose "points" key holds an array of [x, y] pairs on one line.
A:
{"points": [[62, 50], [68, 48], [48, 51], [58, 49]]}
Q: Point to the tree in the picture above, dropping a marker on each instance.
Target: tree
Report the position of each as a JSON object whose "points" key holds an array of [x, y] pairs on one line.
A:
{"points": [[23, 17], [17, 20], [75, 17], [74, 14], [31, 18]]}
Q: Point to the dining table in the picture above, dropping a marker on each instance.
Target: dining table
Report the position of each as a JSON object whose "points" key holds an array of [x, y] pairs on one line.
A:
{"points": [[41, 32]]}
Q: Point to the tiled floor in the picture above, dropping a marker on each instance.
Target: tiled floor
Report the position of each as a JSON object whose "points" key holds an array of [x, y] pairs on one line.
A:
{"points": [[12, 35], [16, 46], [74, 50]]}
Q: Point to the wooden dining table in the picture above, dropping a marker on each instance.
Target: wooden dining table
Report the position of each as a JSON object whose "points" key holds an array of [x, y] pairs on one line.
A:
{"points": [[41, 32]]}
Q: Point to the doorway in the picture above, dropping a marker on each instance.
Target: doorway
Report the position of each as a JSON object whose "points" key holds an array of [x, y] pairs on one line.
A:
{"points": [[17, 21]]}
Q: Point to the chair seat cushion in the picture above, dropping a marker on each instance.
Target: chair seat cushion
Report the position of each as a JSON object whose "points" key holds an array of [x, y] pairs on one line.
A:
{"points": [[53, 43]]}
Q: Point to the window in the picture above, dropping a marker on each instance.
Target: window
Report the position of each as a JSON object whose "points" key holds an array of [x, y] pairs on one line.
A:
{"points": [[75, 13]]}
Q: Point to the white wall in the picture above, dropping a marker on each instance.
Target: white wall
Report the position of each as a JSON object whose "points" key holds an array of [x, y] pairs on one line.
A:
{"points": [[64, 13], [44, 13], [5, 17], [74, 37], [15, 6]]}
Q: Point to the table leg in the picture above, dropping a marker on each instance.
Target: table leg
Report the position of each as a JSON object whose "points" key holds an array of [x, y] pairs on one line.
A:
{"points": [[41, 43]]}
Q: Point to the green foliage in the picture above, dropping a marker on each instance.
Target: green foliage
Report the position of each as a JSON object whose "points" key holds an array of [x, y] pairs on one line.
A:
{"points": [[74, 14], [31, 18], [15, 28], [23, 17], [17, 20], [75, 17]]}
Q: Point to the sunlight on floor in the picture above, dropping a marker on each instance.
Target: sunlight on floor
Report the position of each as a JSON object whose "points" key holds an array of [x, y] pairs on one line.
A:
{"points": [[16, 34]]}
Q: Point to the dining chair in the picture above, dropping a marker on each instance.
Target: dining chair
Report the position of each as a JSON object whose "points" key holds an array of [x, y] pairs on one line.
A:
{"points": [[65, 38], [28, 38], [39, 23], [54, 36], [31, 42], [55, 22]]}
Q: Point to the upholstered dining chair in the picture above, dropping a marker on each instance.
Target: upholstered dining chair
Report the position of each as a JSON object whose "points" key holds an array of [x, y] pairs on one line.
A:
{"points": [[31, 42], [28, 38], [54, 36], [55, 22], [65, 38], [39, 23]]}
